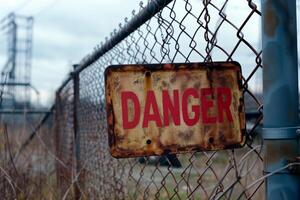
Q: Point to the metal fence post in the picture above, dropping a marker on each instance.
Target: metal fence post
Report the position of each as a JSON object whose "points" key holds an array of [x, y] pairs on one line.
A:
{"points": [[280, 79], [76, 135], [57, 128]]}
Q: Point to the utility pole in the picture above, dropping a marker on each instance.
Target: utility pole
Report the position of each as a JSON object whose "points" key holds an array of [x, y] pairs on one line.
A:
{"points": [[280, 88]]}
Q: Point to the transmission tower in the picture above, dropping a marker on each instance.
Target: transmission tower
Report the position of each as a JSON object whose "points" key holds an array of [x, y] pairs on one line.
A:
{"points": [[16, 72]]}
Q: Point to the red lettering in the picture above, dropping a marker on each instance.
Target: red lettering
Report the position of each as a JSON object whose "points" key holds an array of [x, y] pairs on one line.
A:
{"points": [[171, 107], [224, 104], [195, 108], [206, 105], [125, 96], [151, 102]]}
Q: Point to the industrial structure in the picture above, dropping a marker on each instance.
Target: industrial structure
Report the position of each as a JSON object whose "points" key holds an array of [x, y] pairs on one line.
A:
{"points": [[16, 72]]}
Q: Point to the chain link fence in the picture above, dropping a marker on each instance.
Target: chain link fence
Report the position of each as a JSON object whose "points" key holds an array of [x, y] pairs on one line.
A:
{"points": [[182, 31], [162, 31], [28, 173]]}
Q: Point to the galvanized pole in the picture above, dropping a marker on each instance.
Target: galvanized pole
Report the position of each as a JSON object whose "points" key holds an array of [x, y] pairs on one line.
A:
{"points": [[280, 79], [76, 135]]}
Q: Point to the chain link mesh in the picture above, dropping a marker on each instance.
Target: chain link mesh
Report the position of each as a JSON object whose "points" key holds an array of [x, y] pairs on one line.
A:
{"points": [[30, 173], [184, 31], [71, 155], [64, 140]]}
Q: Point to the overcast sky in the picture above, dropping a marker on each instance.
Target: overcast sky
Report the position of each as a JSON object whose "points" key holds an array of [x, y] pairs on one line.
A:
{"points": [[64, 32], [67, 30]]}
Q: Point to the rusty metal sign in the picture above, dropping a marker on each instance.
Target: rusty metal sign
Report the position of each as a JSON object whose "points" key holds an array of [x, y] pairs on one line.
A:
{"points": [[172, 108]]}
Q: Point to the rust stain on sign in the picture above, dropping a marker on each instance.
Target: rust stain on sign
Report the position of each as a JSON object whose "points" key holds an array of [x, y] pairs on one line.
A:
{"points": [[172, 108]]}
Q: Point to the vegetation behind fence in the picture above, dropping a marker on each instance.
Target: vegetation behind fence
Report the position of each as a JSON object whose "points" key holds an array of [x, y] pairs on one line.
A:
{"points": [[76, 150]]}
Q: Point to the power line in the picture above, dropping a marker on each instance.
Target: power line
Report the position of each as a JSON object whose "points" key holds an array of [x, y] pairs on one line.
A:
{"points": [[22, 5], [18, 7], [25, 3], [47, 7]]}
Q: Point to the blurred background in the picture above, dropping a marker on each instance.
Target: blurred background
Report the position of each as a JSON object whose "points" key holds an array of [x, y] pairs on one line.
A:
{"points": [[42, 40], [63, 33]]}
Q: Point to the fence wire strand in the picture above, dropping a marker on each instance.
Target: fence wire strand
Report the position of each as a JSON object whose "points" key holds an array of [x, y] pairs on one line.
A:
{"points": [[183, 31]]}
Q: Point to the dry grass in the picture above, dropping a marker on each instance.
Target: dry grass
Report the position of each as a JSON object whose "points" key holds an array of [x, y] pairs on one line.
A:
{"points": [[29, 175], [33, 175]]}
